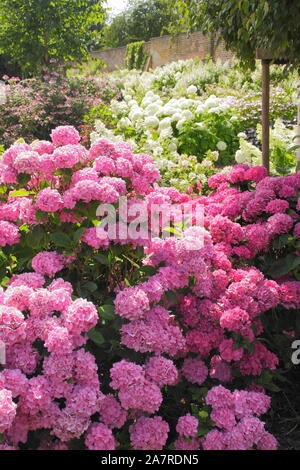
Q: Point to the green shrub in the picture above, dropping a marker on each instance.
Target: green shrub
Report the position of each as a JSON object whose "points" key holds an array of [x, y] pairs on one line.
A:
{"points": [[135, 55]]}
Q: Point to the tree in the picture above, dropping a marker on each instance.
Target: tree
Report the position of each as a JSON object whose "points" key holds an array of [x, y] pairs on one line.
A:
{"points": [[246, 25], [140, 21], [34, 32]]}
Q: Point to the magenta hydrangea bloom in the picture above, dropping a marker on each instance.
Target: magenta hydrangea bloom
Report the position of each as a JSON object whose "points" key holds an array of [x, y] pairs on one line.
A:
{"points": [[48, 263], [65, 135], [7, 409], [49, 200], [187, 426], [149, 433]]}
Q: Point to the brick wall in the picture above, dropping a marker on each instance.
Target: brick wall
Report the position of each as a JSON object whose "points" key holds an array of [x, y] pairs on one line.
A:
{"points": [[166, 49]]}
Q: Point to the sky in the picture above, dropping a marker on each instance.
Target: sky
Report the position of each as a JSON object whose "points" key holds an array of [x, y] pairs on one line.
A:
{"points": [[116, 6]]}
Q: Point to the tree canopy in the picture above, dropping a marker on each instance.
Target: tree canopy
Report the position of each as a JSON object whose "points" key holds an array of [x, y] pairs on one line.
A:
{"points": [[140, 21], [35, 31], [246, 25]]}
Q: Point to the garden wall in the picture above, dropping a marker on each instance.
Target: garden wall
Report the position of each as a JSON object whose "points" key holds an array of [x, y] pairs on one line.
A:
{"points": [[166, 49]]}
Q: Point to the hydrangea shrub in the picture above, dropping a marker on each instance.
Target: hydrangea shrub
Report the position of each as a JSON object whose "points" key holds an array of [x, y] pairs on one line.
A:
{"points": [[129, 344]]}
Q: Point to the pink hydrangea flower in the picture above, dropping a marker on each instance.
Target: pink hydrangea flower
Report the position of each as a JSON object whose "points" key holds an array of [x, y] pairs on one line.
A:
{"points": [[131, 303], [9, 234], [100, 437], [194, 370], [187, 426], [149, 433], [65, 135], [7, 410], [48, 263], [49, 200], [161, 371]]}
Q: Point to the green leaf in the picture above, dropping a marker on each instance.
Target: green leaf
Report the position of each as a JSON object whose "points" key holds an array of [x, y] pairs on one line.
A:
{"points": [[171, 296], [23, 178], [107, 312], [78, 234], [24, 227], [96, 337], [21, 193], [281, 241], [37, 238], [103, 259], [172, 230], [4, 281], [148, 270], [283, 266], [40, 215], [131, 261], [3, 189], [202, 430], [90, 286], [61, 239]]}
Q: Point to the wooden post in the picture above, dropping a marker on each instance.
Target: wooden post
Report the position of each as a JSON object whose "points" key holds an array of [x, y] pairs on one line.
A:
{"points": [[212, 47], [265, 112], [297, 140]]}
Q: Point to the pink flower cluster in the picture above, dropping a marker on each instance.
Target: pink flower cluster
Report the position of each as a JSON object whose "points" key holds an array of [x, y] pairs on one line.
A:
{"points": [[201, 327], [149, 433], [135, 392], [49, 381], [98, 174], [222, 302], [261, 213], [235, 414], [196, 321]]}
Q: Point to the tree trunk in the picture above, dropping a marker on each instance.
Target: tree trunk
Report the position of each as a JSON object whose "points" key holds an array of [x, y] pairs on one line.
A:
{"points": [[265, 113], [297, 140]]}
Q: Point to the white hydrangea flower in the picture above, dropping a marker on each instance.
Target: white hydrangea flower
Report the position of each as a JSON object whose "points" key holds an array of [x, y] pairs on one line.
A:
{"points": [[171, 165], [184, 103], [153, 109], [168, 110], [240, 156], [124, 122], [200, 109], [180, 124], [135, 114], [165, 123], [200, 125], [221, 145], [215, 110], [185, 163], [242, 135], [191, 90], [176, 117], [158, 150], [202, 178], [187, 115], [166, 133], [151, 121], [212, 101], [132, 103], [173, 147]]}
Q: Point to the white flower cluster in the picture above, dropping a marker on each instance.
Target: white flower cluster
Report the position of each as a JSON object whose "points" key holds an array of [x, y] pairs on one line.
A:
{"points": [[156, 117], [281, 142], [157, 107]]}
